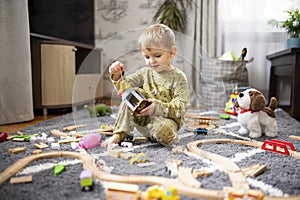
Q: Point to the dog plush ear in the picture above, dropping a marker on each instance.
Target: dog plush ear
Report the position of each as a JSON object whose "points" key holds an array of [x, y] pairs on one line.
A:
{"points": [[258, 101]]}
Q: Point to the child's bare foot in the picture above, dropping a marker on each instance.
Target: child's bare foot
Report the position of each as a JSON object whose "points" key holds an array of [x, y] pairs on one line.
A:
{"points": [[112, 140]]}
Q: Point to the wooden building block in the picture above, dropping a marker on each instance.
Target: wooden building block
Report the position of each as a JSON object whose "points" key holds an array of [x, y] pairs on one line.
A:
{"points": [[294, 137], [122, 191], [177, 162], [66, 141], [20, 133], [201, 173], [10, 137], [41, 145], [37, 151], [18, 139], [70, 128], [178, 149], [58, 133], [253, 170], [127, 155], [115, 153], [21, 179], [17, 150]]}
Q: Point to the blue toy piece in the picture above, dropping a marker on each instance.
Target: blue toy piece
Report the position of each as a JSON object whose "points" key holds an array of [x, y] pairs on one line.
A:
{"points": [[201, 131]]}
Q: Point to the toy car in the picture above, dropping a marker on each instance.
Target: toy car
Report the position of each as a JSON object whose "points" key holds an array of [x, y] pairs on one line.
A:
{"points": [[200, 131], [127, 144], [86, 180], [139, 158], [155, 192], [139, 140], [172, 169]]}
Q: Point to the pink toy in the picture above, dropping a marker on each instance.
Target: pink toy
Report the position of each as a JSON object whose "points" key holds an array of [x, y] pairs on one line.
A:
{"points": [[89, 141]]}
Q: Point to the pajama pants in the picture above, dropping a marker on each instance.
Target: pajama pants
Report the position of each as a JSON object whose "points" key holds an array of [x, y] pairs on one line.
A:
{"points": [[156, 128]]}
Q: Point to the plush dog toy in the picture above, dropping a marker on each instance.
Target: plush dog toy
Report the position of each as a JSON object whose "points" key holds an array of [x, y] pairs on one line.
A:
{"points": [[253, 116]]}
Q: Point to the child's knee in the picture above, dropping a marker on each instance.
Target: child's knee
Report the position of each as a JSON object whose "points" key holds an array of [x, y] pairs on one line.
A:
{"points": [[165, 136]]}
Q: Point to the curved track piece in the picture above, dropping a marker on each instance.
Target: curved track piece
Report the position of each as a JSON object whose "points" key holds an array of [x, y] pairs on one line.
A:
{"points": [[235, 174], [186, 177], [89, 163], [233, 170]]}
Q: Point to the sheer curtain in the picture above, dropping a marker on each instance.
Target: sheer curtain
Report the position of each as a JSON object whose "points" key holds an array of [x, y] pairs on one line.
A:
{"points": [[15, 77], [201, 28], [244, 24]]}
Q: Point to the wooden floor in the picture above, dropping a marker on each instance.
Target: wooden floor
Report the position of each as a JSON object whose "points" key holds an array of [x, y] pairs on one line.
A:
{"points": [[10, 128]]}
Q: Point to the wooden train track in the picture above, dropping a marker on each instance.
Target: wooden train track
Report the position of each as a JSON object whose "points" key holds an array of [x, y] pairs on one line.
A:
{"points": [[235, 174], [89, 163], [236, 177], [185, 175]]}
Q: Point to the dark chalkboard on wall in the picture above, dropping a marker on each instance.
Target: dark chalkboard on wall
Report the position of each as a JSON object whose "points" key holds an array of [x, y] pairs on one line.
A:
{"points": [[65, 19]]}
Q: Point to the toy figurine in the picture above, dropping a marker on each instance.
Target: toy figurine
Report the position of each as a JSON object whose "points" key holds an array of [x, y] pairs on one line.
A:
{"points": [[98, 110], [243, 54], [229, 107]]}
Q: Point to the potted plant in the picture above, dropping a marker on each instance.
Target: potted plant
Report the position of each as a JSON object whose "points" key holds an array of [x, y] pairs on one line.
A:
{"points": [[292, 27], [172, 13]]}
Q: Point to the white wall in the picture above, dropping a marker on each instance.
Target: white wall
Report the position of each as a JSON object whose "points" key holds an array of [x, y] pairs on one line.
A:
{"points": [[245, 24]]}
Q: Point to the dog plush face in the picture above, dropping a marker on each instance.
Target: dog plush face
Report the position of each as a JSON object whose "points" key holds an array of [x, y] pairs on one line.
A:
{"points": [[251, 99]]}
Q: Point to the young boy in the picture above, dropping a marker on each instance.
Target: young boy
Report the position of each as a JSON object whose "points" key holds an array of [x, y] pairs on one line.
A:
{"points": [[165, 86]]}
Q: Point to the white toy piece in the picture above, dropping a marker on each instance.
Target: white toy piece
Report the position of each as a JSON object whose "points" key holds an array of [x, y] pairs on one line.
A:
{"points": [[55, 146], [253, 116]]}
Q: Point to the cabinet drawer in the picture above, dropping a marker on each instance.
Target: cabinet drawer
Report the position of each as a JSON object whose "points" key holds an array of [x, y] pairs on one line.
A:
{"points": [[57, 74]]}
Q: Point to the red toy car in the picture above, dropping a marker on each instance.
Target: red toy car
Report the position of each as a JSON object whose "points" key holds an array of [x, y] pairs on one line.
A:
{"points": [[3, 136]]}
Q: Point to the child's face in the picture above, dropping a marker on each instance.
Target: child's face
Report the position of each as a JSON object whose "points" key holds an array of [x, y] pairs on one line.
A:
{"points": [[159, 59]]}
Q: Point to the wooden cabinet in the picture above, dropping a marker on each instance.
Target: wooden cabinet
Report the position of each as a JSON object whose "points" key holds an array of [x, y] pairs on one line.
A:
{"points": [[65, 74], [57, 74], [286, 65]]}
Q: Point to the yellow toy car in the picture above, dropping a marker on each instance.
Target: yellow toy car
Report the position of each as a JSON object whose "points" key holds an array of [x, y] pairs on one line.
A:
{"points": [[139, 158], [155, 192]]}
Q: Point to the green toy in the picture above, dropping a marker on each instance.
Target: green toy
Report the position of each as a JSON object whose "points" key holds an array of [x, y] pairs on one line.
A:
{"points": [[59, 168], [98, 110], [26, 137]]}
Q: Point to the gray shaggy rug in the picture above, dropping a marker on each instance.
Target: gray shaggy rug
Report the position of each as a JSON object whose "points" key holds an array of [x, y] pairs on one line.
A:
{"points": [[281, 178]]}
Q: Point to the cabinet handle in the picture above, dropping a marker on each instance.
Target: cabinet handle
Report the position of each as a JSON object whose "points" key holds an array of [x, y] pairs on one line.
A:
{"points": [[74, 49]]}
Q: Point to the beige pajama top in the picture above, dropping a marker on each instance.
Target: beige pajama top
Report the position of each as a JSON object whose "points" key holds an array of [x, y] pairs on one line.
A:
{"points": [[169, 88]]}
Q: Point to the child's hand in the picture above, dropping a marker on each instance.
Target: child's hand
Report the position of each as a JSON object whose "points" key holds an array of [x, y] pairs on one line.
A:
{"points": [[113, 139], [149, 110], [116, 68]]}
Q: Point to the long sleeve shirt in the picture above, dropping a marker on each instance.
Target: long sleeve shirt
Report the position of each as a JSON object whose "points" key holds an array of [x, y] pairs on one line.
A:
{"points": [[169, 88]]}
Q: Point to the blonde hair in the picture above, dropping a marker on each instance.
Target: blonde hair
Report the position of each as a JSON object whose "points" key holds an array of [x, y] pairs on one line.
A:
{"points": [[157, 36]]}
